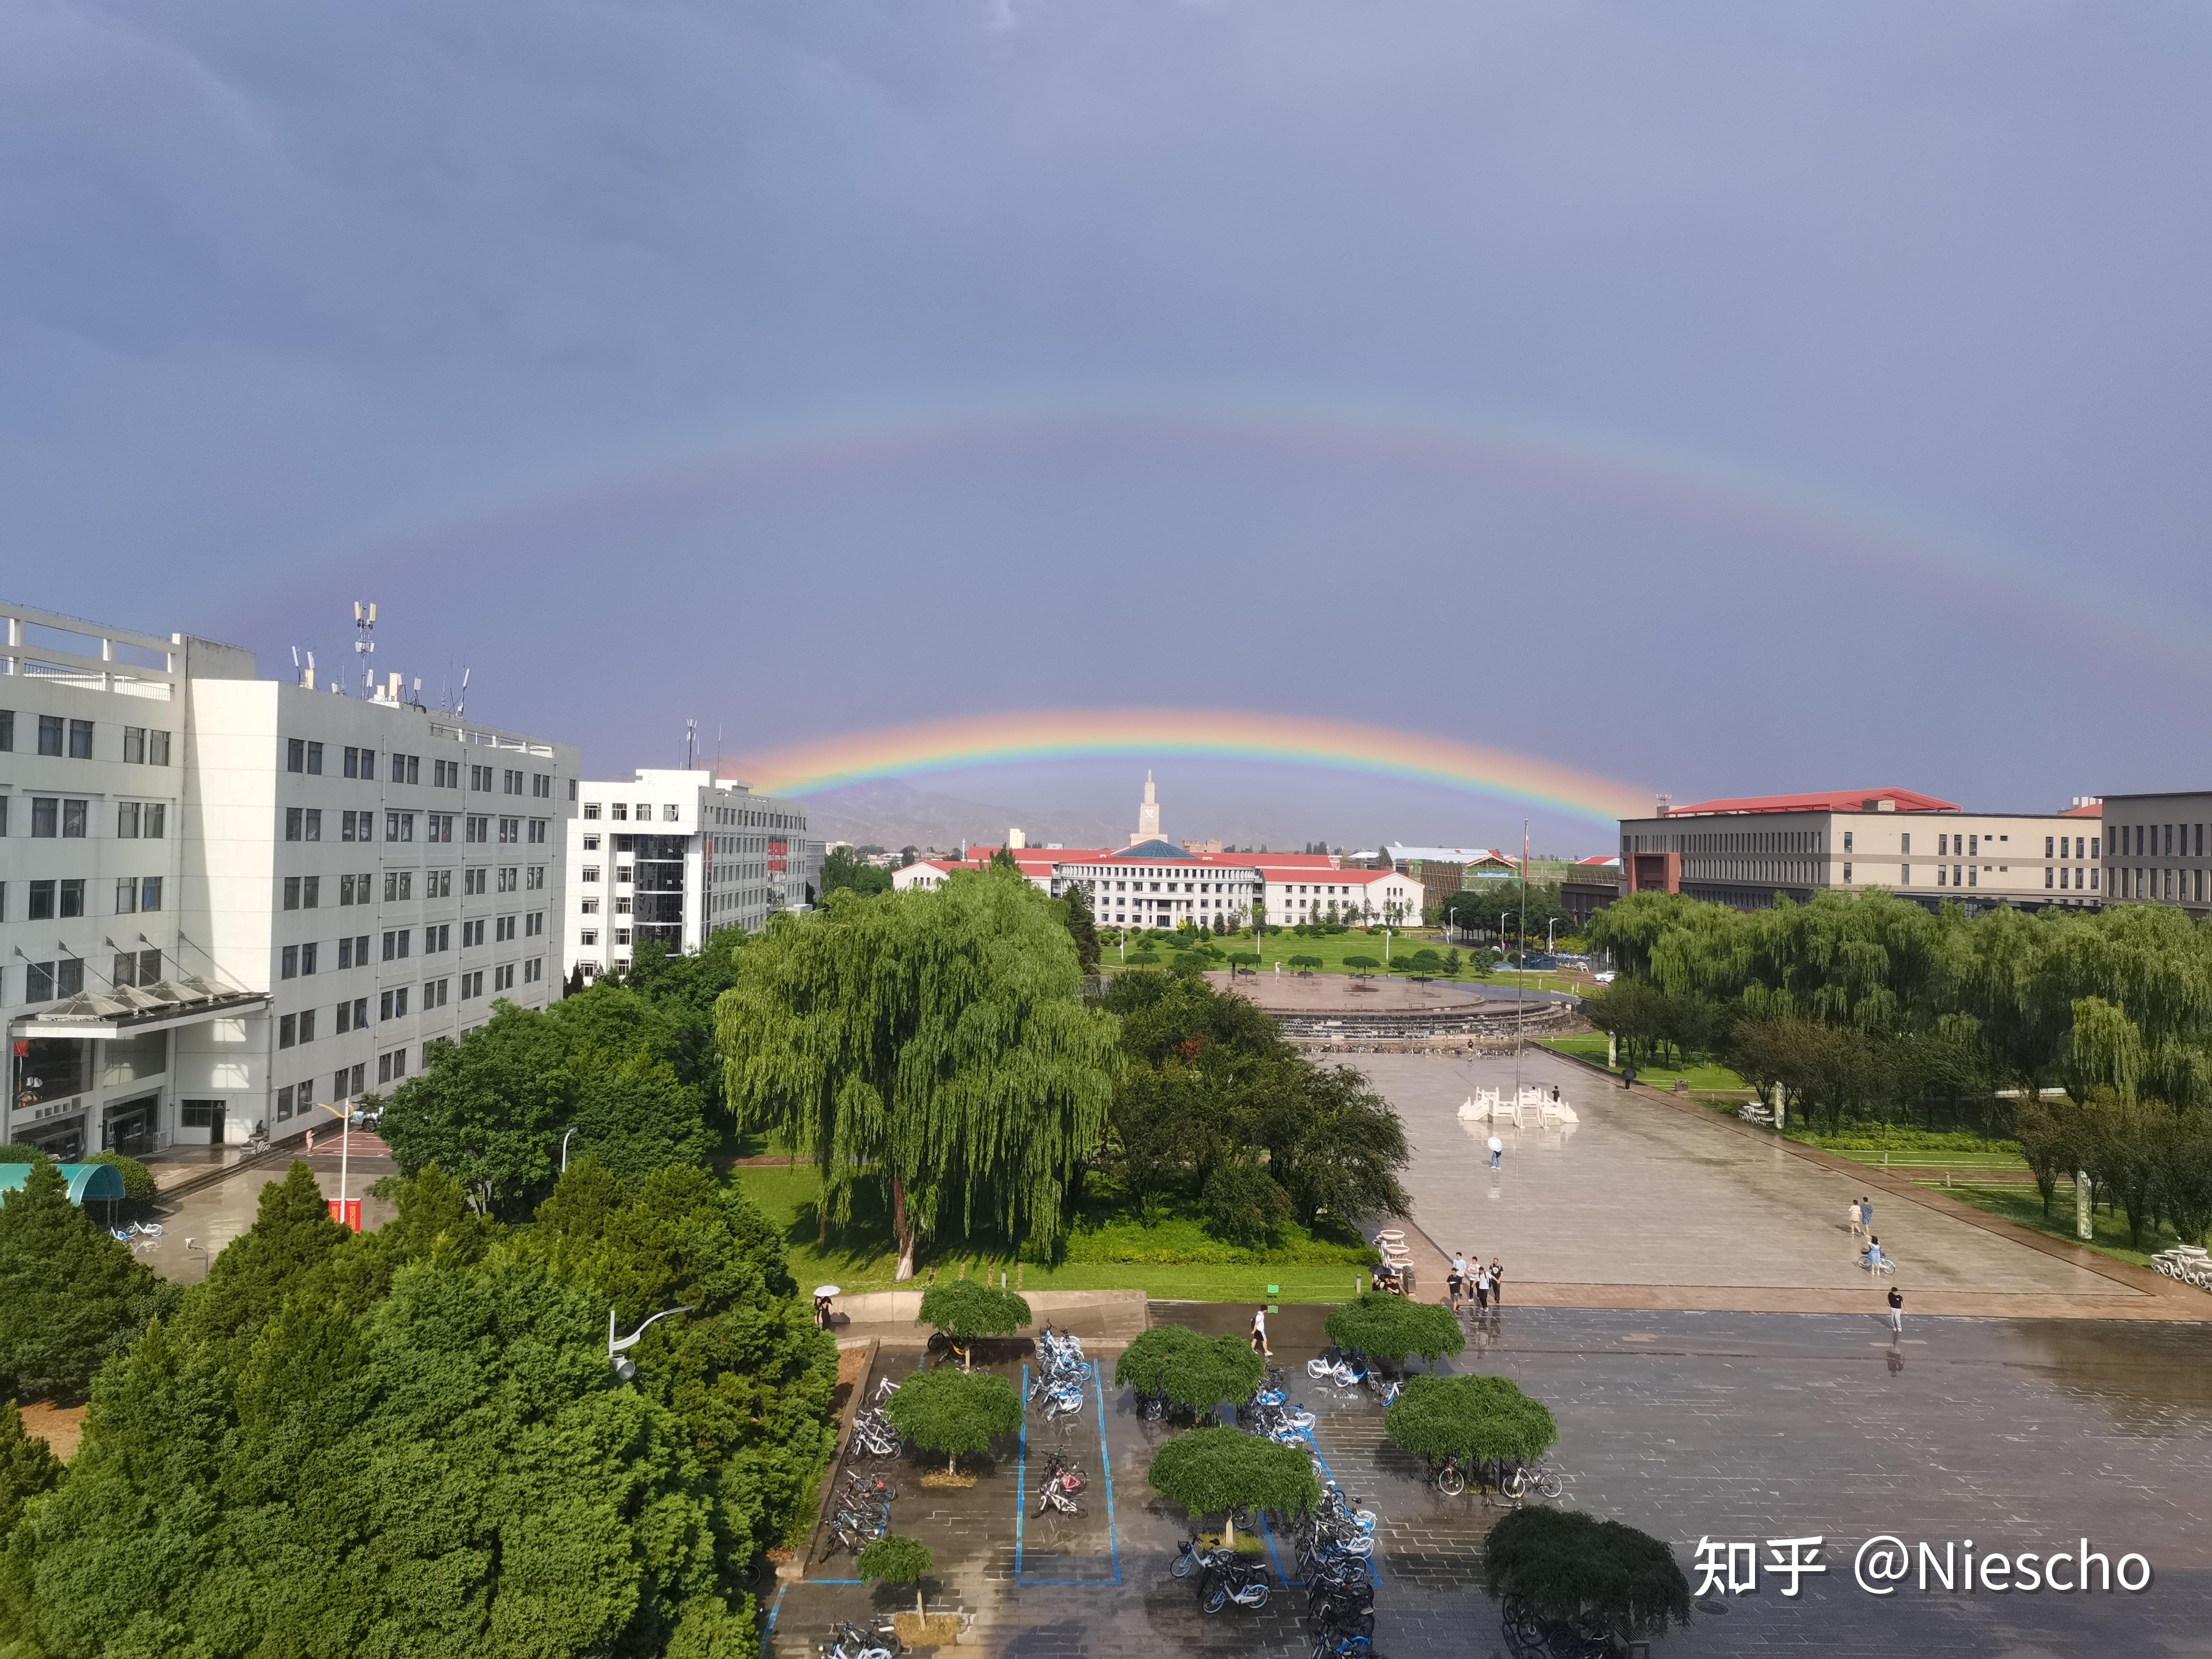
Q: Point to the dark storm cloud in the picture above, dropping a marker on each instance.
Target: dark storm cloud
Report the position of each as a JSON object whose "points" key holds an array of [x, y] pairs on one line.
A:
{"points": [[288, 290]]}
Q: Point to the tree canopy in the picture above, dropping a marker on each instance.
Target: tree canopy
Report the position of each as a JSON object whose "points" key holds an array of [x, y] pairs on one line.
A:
{"points": [[1475, 1420], [935, 1040], [1214, 1471], [71, 1296], [895, 1558], [1393, 1328], [964, 1308], [958, 1414], [1569, 1568], [1193, 1370]]}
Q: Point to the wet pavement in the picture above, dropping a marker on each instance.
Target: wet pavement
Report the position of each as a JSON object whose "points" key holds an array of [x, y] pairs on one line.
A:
{"points": [[2021, 1436], [196, 1227]]}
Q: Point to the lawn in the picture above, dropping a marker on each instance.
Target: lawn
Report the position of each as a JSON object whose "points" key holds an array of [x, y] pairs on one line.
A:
{"points": [[1332, 948], [858, 1256], [1703, 1075], [2022, 1204]]}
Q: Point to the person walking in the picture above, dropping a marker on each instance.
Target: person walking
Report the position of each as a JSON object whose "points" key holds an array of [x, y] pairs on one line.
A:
{"points": [[1851, 1216], [1896, 1311], [1259, 1334], [1454, 1279], [1866, 1215], [1496, 1275], [1481, 1289], [1872, 1260], [1497, 1151]]}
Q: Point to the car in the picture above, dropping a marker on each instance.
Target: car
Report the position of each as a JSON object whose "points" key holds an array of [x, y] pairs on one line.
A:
{"points": [[1604, 978]]}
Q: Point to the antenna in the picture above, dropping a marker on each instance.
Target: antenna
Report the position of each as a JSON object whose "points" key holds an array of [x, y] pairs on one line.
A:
{"points": [[310, 681], [364, 622], [461, 706], [691, 744]]}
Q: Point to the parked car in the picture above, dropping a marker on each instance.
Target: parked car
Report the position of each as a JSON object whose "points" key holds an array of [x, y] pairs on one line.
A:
{"points": [[1605, 978]]}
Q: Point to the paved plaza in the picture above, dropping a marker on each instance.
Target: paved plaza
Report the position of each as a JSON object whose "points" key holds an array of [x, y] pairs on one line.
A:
{"points": [[2019, 1434], [1647, 1202]]}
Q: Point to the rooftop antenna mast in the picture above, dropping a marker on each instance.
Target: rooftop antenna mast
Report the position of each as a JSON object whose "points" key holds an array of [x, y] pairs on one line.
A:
{"points": [[461, 703], [364, 622], [691, 744]]}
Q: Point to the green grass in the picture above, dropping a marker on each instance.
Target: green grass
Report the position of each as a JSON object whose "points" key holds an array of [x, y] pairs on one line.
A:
{"points": [[2025, 1205], [860, 1256], [1333, 949], [1702, 1074]]}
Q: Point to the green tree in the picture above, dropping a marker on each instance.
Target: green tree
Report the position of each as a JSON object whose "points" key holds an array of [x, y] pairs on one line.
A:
{"points": [[1362, 965], [1220, 1471], [27, 1468], [1004, 858], [1390, 1327], [1574, 1572], [1305, 964], [292, 1239], [895, 1558], [844, 871], [936, 1040], [487, 1109], [1336, 1146], [1193, 1370], [454, 1472], [1082, 926], [1474, 1419], [964, 1309], [958, 1414], [1422, 964], [1242, 1203], [71, 1296]]}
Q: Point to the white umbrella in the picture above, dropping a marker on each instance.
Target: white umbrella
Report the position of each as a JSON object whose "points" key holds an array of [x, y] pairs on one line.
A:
{"points": [[827, 1289]]}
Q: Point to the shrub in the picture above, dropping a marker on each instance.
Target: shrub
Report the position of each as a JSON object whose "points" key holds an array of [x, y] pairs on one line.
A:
{"points": [[1475, 1420], [964, 1309], [1243, 1204], [1216, 1471], [16, 1153], [957, 1412], [1193, 1370], [896, 1559], [1363, 964], [137, 1179], [1568, 1568], [1386, 1327], [1183, 1240]]}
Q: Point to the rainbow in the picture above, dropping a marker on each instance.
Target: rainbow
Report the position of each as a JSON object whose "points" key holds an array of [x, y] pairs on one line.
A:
{"points": [[1684, 485], [1211, 733]]}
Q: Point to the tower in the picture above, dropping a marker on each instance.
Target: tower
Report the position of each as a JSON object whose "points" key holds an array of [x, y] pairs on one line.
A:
{"points": [[1148, 815]]}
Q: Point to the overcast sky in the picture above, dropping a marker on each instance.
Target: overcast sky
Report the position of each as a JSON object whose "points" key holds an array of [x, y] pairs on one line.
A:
{"points": [[1719, 397]]}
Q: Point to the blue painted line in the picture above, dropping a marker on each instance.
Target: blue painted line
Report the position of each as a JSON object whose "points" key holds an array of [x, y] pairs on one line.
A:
{"points": [[1022, 1474], [1106, 1471], [1268, 1533], [776, 1606]]}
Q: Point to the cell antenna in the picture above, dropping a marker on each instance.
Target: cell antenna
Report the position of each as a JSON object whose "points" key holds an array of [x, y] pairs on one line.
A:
{"points": [[461, 706], [364, 622]]}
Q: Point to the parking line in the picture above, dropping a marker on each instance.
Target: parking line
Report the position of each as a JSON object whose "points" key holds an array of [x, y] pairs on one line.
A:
{"points": [[1022, 1473], [1106, 1470]]}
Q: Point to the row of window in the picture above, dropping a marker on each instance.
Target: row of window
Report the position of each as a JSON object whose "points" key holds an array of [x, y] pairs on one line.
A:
{"points": [[297, 961], [293, 1029], [622, 812], [304, 756], [47, 981], [305, 823], [70, 739], [64, 896], [2173, 886], [305, 892], [2150, 841], [60, 817]]}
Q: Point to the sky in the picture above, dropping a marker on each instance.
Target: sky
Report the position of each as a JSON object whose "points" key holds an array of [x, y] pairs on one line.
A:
{"points": [[1719, 399]]}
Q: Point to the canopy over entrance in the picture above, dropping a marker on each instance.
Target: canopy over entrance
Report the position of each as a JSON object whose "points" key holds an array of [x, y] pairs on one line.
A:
{"points": [[102, 1180]]}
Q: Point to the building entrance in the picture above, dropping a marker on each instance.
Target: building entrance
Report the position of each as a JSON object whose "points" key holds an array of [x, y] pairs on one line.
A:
{"points": [[129, 1127]]}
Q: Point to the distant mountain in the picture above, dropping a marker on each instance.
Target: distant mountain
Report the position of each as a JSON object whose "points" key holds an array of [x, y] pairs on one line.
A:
{"points": [[894, 814]]}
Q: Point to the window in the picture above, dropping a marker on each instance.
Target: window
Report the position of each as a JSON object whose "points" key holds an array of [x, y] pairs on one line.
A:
{"points": [[398, 886], [480, 779], [591, 906], [2048, 842], [472, 985], [619, 809], [149, 893], [588, 936], [440, 937], [44, 814], [73, 897], [306, 959], [502, 978], [509, 877], [1942, 847], [360, 763], [510, 782], [537, 831], [51, 731], [291, 892], [472, 934], [126, 895], [541, 785], [399, 826], [395, 944], [572, 789], [534, 924], [296, 821], [437, 883], [533, 970], [534, 879], [669, 812], [472, 881], [592, 810], [392, 1004], [284, 1094], [1847, 875], [288, 1034], [7, 731], [80, 740], [296, 755], [126, 821], [1904, 842], [439, 826], [503, 930], [479, 829], [74, 814], [2096, 842], [2050, 878], [291, 960], [621, 906], [434, 994], [154, 823], [1904, 875], [42, 902], [591, 872], [310, 889], [391, 1067], [200, 1114], [510, 831]]}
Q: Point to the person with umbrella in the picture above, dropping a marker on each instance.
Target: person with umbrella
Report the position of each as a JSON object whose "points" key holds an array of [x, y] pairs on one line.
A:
{"points": [[822, 1295]]}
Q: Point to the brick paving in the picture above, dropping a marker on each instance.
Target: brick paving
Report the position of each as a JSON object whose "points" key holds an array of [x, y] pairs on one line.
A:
{"points": [[2019, 1434]]}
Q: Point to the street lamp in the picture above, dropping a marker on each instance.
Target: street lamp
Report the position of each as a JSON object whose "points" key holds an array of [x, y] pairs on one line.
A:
{"points": [[345, 1115], [618, 1350], [564, 1149]]}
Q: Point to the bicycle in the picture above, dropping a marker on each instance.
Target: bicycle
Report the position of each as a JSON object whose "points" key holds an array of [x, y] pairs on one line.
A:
{"points": [[1446, 1476], [1883, 1268]]}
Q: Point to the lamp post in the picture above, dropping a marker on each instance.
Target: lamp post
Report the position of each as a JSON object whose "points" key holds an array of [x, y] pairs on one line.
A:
{"points": [[564, 1149], [345, 1115], [624, 1369]]}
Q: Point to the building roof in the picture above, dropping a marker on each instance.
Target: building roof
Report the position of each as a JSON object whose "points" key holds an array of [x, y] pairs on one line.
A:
{"points": [[2091, 808], [185, 1000], [1613, 859], [83, 1180], [1833, 801], [1443, 854]]}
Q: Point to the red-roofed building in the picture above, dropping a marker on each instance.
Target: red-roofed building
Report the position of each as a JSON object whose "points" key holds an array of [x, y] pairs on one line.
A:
{"points": [[1747, 851]]}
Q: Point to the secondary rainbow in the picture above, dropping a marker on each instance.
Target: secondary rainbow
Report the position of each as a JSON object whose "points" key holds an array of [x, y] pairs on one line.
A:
{"points": [[1153, 734]]}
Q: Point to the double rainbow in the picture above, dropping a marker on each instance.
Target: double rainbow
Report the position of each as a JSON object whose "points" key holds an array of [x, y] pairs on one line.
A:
{"points": [[1151, 734]]}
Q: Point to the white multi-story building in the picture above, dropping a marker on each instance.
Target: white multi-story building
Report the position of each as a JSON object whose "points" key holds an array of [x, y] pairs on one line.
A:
{"points": [[319, 886], [678, 856]]}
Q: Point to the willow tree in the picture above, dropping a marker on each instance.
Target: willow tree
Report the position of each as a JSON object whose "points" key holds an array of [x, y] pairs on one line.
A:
{"points": [[935, 1041]]}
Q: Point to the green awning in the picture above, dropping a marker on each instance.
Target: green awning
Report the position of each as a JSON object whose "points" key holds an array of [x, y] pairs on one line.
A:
{"points": [[85, 1180]]}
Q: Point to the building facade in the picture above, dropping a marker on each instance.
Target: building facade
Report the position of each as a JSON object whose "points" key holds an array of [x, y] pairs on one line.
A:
{"points": [[2155, 850], [1744, 852], [321, 885], [677, 856]]}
